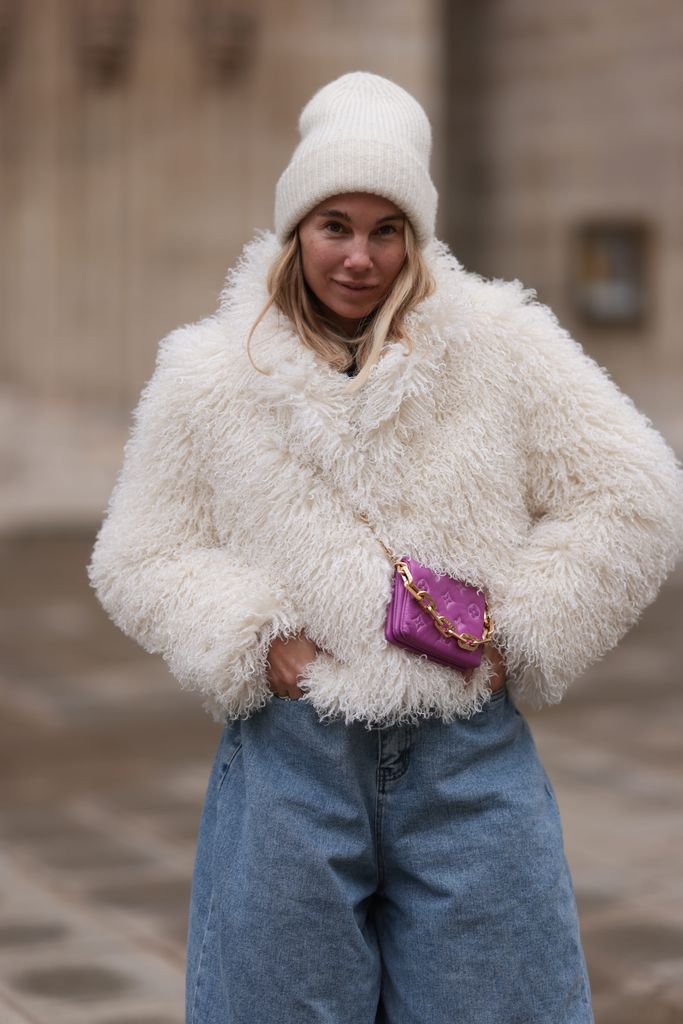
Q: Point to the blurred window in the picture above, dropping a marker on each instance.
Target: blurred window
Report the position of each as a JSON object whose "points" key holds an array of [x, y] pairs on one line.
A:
{"points": [[104, 35], [610, 278]]}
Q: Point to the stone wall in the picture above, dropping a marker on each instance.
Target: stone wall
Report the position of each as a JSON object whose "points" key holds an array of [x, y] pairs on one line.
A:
{"points": [[564, 114], [140, 143], [139, 149]]}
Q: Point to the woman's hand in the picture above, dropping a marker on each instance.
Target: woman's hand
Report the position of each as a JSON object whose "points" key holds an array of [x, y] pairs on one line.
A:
{"points": [[287, 659], [497, 680]]}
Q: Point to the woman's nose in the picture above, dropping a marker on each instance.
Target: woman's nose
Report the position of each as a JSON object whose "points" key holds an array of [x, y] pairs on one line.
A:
{"points": [[358, 257]]}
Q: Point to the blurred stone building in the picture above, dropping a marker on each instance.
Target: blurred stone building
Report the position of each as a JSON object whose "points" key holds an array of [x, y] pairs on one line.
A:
{"points": [[140, 142], [565, 163]]}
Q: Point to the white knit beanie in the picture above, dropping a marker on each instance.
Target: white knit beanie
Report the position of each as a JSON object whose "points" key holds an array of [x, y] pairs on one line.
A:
{"points": [[360, 133]]}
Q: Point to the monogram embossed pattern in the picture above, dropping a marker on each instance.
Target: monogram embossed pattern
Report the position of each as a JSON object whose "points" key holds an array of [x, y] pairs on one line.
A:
{"points": [[408, 625]]}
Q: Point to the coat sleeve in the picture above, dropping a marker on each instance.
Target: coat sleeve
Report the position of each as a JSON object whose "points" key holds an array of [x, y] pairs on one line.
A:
{"points": [[157, 567], [605, 494]]}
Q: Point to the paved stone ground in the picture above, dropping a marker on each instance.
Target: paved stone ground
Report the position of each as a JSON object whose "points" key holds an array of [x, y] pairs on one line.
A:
{"points": [[103, 763]]}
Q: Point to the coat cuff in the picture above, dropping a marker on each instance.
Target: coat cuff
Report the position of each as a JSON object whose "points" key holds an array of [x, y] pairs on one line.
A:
{"points": [[571, 594], [210, 620]]}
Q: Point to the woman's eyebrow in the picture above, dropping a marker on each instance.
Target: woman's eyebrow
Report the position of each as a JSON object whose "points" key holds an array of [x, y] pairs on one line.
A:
{"points": [[334, 213], [346, 217]]}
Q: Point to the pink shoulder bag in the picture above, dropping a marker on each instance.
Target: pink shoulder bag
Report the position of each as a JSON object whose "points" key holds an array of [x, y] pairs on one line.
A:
{"points": [[435, 616]]}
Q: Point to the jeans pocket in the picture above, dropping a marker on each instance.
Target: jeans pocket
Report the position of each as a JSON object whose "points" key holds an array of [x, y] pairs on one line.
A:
{"points": [[492, 708], [231, 744], [498, 697]]}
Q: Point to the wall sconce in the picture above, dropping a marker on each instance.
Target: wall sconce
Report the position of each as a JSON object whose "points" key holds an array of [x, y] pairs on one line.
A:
{"points": [[9, 25], [610, 286], [104, 32], [226, 36]]}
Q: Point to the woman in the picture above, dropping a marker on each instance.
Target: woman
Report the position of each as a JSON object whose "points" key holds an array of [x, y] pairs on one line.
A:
{"points": [[379, 840]]}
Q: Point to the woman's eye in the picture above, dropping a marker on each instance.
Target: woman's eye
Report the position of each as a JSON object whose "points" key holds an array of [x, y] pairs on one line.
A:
{"points": [[387, 229], [334, 226]]}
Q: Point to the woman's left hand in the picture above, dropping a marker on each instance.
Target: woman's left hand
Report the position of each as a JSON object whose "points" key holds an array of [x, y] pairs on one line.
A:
{"points": [[497, 680]]}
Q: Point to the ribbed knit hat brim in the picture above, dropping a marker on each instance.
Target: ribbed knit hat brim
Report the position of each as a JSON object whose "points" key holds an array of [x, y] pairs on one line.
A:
{"points": [[360, 133]]}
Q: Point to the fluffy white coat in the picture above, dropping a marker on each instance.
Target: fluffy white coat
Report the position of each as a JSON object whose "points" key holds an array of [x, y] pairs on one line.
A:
{"points": [[497, 452]]}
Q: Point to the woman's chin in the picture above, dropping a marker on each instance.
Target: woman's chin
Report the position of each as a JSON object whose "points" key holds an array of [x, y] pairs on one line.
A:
{"points": [[348, 316]]}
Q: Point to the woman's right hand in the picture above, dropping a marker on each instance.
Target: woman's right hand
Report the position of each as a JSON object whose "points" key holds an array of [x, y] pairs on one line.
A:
{"points": [[287, 660]]}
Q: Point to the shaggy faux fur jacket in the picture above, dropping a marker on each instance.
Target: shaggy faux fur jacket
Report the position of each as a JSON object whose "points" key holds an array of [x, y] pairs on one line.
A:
{"points": [[497, 452]]}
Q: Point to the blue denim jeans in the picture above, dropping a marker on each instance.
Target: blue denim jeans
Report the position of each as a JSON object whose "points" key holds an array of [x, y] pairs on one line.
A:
{"points": [[410, 874]]}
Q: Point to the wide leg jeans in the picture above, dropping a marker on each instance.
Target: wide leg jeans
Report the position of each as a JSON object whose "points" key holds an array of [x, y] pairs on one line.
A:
{"points": [[410, 874]]}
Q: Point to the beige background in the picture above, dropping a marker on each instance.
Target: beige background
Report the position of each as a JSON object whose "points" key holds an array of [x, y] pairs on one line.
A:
{"points": [[140, 141], [123, 205]]}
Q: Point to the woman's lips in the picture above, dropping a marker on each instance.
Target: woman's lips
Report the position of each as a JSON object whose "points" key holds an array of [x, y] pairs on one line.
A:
{"points": [[352, 287]]}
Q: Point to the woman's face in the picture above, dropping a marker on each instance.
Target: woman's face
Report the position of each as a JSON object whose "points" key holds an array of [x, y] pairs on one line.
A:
{"points": [[352, 248]]}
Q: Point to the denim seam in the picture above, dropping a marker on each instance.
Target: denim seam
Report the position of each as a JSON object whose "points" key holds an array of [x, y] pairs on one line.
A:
{"points": [[200, 961], [379, 813], [389, 773], [392, 774], [225, 769]]}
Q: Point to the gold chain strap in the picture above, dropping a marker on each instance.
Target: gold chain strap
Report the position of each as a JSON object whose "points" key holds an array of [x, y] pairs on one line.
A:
{"points": [[467, 641]]}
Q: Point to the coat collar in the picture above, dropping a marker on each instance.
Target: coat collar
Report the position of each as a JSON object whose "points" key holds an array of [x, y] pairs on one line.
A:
{"points": [[349, 436]]}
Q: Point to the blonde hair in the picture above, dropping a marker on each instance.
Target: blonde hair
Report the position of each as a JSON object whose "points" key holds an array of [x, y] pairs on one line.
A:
{"points": [[289, 293]]}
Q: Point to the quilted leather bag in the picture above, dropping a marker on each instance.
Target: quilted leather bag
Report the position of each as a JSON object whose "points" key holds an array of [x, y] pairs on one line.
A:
{"points": [[435, 616]]}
